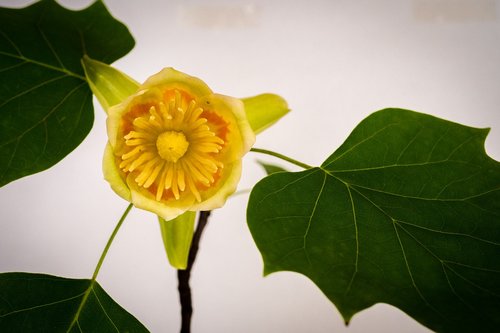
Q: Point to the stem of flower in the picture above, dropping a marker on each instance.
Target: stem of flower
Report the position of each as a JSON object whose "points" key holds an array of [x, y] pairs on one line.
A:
{"points": [[110, 240], [98, 267], [281, 156], [184, 275]]}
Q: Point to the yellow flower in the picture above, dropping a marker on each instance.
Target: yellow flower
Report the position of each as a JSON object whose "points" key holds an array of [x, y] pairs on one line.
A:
{"points": [[175, 146]]}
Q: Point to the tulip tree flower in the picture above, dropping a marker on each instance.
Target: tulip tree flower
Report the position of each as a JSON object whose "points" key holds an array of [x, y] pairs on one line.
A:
{"points": [[174, 146]]}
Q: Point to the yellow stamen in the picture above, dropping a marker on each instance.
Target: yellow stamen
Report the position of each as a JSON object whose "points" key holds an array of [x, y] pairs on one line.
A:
{"points": [[173, 147], [154, 174]]}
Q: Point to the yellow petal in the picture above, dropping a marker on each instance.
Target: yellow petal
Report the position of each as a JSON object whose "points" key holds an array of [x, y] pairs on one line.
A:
{"points": [[143, 199], [171, 78], [241, 136], [114, 175], [216, 196]]}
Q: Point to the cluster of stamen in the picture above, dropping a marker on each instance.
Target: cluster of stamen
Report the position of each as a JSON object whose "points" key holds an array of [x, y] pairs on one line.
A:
{"points": [[171, 150]]}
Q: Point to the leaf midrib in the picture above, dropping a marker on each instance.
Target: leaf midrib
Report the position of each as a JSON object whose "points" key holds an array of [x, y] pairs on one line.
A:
{"points": [[41, 305], [444, 263], [331, 173], [357, 187], [42, 64], [395, 224], [85, 295]]}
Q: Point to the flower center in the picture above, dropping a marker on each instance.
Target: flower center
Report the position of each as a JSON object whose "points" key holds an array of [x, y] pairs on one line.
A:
{"points": [[171, 145], [172, 149]]}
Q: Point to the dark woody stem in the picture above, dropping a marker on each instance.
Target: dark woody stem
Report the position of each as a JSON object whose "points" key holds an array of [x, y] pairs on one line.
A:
{"points": [[184, 275]]}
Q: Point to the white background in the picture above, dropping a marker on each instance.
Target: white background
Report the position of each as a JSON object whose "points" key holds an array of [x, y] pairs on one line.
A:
{"points": [[335, 62]]}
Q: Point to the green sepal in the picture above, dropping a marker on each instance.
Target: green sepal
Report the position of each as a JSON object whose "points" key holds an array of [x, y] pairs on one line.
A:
{"points": [[177, 235], [108, 84], [264, 110]]}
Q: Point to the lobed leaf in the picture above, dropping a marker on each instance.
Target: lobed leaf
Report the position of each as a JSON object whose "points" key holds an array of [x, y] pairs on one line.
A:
{"points": [[45, 102], [405, 212]]}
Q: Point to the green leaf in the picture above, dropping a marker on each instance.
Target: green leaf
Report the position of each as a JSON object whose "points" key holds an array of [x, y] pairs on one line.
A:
{"points": [[264, 110], [405, 212], [45, 102], [177, 235], [110, 85], [271, 168], [45, 303]]}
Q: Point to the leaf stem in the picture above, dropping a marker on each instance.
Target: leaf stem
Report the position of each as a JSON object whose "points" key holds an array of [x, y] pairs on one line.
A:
{"points": [[281, 156], [110, 240], [184, 275], [98, 267]]}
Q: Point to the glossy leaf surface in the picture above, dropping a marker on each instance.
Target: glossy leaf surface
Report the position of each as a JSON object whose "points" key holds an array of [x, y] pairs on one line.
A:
{"points": [[45, 102], [44, 303], [405, 212]]}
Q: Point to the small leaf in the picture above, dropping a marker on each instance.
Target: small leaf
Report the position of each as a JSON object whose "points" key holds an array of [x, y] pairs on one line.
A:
{"points": [[264, 110], [271, 168], [110, 85], [405, 212], [45, 102], [45, 303], [177, 235]]}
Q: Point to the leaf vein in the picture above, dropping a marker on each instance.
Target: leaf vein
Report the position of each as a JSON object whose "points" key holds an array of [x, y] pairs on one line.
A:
{"points": [[41, 305], [472, 283], [51, 48], [104, 310], [472, 267], [437, 142], [4, 34], [449, 233], [388, 166], [403, 151], [355, 220], [35, 87], [450, 285], [407, 264], [359, 143], [71, 92], [6, 69], [42, 64], [286, 186], [82, 304], [311, 218]]}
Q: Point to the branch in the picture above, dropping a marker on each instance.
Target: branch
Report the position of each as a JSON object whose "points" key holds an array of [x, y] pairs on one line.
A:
{"points": [[184, 275]]}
